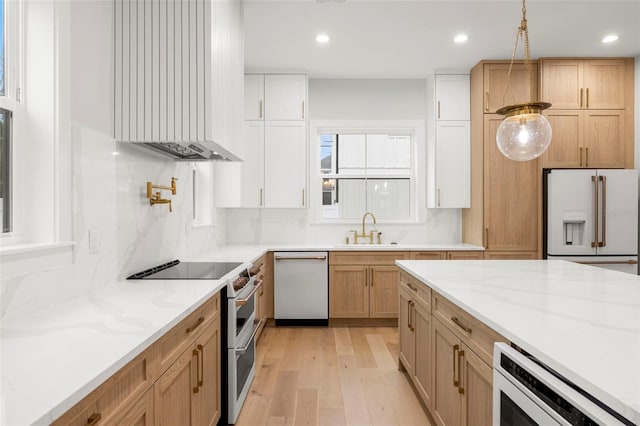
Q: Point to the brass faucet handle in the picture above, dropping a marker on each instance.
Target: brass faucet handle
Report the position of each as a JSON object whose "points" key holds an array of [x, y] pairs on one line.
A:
{"points": [[173, 185], [355, 236]]}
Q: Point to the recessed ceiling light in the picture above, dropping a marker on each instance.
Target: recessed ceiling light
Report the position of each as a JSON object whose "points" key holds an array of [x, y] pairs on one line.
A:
{"points": [[322, 38], [461, 38], [610, 38]]}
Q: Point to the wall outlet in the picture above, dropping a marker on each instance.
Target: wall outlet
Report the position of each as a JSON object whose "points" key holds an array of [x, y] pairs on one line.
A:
{"points": [[95, 240]]}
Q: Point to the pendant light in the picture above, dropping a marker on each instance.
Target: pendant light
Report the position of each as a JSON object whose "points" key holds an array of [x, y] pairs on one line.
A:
{"points": [[525, 133]]}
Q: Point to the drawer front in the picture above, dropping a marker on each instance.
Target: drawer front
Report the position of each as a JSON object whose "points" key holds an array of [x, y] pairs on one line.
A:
{"points": [[474, 333], [417, 290], [366, 257], [465, 255], [177, 340], [428, 255], [115, 395]]}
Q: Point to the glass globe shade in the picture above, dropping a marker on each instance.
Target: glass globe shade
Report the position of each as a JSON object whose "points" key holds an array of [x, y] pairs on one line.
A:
{"points": [[524, 137]]}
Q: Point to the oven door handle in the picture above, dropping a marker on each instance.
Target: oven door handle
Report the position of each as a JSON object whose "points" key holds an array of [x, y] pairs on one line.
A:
{"points": [[256, 285], [257, 324]]}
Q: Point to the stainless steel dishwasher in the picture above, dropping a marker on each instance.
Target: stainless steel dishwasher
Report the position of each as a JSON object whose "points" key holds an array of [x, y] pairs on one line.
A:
{"points": [[301, 288]]}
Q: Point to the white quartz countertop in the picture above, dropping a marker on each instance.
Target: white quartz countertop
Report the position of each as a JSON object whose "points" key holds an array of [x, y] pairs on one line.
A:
{"points": [[582, 321]]}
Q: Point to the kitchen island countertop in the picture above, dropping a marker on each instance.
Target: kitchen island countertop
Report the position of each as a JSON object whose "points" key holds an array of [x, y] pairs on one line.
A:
{"points": [[582, 321]]}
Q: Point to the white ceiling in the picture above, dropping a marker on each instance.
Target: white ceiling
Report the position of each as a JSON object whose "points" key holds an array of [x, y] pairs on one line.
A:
{"points": [[412, 39]]}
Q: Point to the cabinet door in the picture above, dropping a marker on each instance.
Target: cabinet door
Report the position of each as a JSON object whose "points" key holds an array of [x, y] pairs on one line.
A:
{"points": [[446, 398], [566, 149], [285, 164], [423, 371], [453, 160], [452, 97], [207, 401], [141, 414], [173, 392], [561, 84], [285, 96], [604, 83], [406, 331], [254, 97], [383, 282], [476, 383], [604, 138], [495, 80], [348, 292], [510, 196]]}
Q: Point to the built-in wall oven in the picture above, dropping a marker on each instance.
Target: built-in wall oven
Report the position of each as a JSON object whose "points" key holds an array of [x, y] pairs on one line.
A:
{"points": [[526, 392], [238, 322]]}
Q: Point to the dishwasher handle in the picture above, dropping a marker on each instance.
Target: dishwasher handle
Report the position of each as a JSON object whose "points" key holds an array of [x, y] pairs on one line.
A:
{"points": [[301, 258]]}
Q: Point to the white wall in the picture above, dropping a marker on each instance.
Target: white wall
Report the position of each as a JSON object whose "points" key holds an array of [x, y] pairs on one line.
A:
{"points": [[106, 186], [354, 100]]}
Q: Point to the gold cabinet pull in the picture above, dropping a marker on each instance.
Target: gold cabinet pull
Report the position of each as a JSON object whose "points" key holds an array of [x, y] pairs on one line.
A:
{"points": [[194, 326], [412, 311], [603, 242], [586, 156], [594, 243], [438, 197], [261, 109], [581, 97], [409, 314], [261, 196], [460, 364], [587, 97], [486, 238], [200, 349], [438, 110], [303, 110], [371, 277], [302, 197], [580, 156], [196, 388], [486, 101], [94, 419], [412, 287], [461, 325], [456, 382]]}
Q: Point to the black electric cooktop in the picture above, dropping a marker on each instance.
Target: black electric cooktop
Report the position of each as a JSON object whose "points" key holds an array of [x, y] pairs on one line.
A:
{"points": [[176, 270]]}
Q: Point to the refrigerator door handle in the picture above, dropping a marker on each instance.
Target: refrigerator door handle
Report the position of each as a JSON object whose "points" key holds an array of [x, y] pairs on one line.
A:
{"points": [[603, 179], [594, 180]]}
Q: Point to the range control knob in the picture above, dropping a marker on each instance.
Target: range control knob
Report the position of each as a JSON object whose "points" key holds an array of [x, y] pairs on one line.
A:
{"points": [[254, 270]]}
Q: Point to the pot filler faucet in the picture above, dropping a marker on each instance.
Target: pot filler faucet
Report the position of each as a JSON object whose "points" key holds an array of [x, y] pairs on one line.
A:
{"points": [[364, 233]]}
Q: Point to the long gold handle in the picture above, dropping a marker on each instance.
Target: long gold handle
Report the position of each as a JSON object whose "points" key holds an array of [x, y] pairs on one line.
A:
{"points": [[412, 287], [486, 238], [302, 197], [94, 419], [371, 276], [581, 97], [461, 325], [303, 110], [261, 194], [409, 314], [587, 97], [260, 109], [603, 243], [586, 156], [412, 311], [196, 325], [594, 243], [200, 365], [456, 348], [460, 375], [196, 388], [486, 101], [580, 156], [438, 197], [438, 110]]}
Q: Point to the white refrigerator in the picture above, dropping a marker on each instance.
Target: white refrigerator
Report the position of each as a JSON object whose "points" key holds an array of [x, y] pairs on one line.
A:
{"points": [[592, 217]]}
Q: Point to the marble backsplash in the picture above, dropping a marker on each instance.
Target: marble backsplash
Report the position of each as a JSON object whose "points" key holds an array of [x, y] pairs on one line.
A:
{"points": [[109, 199]]}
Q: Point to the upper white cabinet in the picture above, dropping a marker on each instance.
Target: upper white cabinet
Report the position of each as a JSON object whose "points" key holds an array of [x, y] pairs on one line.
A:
{"points": [[452, 97], [274, 168], [179, 68], [450, 187]]}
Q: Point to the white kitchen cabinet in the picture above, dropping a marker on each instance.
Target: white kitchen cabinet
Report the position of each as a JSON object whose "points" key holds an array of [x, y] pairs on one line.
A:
{"points": [[452, 97], [273, 171], [452, 164]]}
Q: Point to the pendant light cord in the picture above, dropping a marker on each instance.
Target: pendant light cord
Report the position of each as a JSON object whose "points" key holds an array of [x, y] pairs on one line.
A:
{"points": [[521, 33]]}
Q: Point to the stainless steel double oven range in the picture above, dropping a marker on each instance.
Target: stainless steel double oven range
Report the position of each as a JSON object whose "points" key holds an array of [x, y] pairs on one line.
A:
{"points": [[238, 322]]}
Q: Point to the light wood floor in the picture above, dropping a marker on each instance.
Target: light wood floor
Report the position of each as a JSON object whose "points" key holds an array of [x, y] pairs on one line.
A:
{"points": [[330, 376]]}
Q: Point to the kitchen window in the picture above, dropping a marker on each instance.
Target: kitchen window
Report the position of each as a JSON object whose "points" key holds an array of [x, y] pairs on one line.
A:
{"points": [[360, 170]]}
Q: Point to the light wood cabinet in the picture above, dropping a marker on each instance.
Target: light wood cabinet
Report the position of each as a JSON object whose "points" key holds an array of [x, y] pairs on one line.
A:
{"points": [[262, 309], [476, 382], [141, 414], [428, 255], [363, 284], [448, 255], [591, 113], [465, 255], [494, 80], [447, 400]]}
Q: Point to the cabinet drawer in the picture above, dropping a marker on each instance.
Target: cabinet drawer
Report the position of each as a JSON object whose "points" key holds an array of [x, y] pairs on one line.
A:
{"points": [[465, 255], [474, 333], [116, 394], [416, 289], [366, 257], [177, 340], [428, 255]]}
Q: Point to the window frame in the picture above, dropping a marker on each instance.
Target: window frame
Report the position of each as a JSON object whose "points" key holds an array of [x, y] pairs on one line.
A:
{"points": [[415, 128]]}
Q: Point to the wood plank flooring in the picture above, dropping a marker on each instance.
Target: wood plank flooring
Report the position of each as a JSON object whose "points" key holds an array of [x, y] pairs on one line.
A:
{"points": [[330, 376]]}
